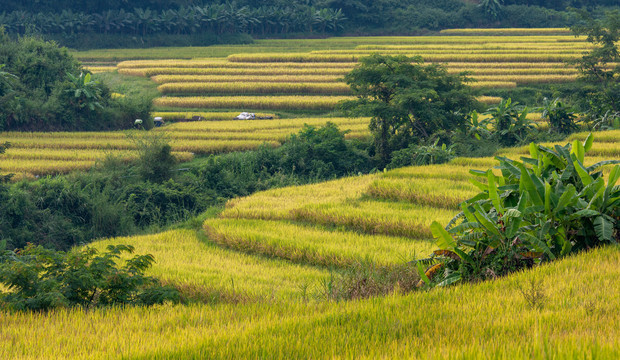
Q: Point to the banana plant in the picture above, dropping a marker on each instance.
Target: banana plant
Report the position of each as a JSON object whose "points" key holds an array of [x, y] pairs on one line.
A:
{"points": [[6, 80], [476, 127], [492, 8], [539, 209], [86, 92]]}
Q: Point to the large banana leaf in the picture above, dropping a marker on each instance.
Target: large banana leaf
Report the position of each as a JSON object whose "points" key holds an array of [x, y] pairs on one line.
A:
{"points": [[442, 237], [604, 228]]}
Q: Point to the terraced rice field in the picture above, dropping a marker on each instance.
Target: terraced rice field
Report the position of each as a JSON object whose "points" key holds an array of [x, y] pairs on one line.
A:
{"points": [[266, 262], [190, 260], [38, 154], [273, 76], [400, 203], [307, 75], [268, 269]]}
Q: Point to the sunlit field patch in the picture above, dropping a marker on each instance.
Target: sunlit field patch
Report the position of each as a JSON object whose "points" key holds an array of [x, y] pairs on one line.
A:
{"points": [[183, 258], [313, 245]]}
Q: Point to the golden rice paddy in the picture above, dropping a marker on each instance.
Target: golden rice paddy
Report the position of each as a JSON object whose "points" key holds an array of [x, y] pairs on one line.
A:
{"points": [[268, 258]]}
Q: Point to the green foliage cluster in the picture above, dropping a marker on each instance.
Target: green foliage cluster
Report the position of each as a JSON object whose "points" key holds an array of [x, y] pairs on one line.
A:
{"points": [[91, 24], [321, 153], [417, 155], [560, 117], [493, 8], [561, 4], [414, 107], [314, 154], [408, 101], [214, 18], [117, 198], [40, 279], [597, 94], [508, 121], [155, 160], [350, 7], [539, 209], [42, 87]]}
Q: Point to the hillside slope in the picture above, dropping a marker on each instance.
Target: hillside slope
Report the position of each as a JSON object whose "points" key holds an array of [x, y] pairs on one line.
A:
{"points": [[267, 262], [579, 319]]}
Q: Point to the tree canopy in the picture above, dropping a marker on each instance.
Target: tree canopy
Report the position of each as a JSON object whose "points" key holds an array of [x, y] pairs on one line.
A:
{"points": [[91, 24], [43, 87], [408, 101], [600, 67]]}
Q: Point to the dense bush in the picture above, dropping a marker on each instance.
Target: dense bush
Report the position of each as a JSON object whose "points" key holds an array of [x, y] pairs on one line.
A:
{"points": [[40, 279], [509, 122], [321, 153], [559, 116], [539, 209], [42, 87], [417, 155], [311, 155]]}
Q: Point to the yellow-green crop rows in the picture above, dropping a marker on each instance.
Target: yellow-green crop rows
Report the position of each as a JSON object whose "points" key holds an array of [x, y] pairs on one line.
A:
{"points": [[258, 77], [267, 269], [400, 202], [489, 320], [188, 259], [38, 154], [509, 31], [312, 245], [255, 88]]}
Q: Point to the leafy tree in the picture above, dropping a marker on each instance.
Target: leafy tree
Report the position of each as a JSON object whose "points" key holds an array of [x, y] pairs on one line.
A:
{"points": [[42, 87], [41, 279], [407, 100], [600, 68]]}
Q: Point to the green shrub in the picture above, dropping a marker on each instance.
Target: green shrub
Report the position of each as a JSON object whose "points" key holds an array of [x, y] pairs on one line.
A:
{"points": [[559, 116], [40, 279], [421, 155], [510, 123], [539, 209], [155, 160], [320, 153], [43, 88]]}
